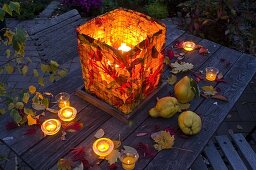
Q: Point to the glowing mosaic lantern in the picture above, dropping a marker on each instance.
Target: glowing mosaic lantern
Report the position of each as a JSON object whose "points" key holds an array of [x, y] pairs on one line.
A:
{"points": [[121, 57]]}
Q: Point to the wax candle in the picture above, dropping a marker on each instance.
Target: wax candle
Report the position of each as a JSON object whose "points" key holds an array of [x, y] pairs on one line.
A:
{"points": [[103, 147], [62, 99], [188, 45], [67, 113], [51, 126], [128, 160], [211, 73], [124, 47]]}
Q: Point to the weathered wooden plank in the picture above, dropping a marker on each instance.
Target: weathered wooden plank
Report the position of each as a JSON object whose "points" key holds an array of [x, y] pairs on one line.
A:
{"points": [[211, 114], [51, 148], [57, 21], [245, 149], [230, 153], [199, 164], [214, 157], [172, 35]]}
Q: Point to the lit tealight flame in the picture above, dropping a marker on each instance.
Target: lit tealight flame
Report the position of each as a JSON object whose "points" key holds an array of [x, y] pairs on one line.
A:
{"points": [[124, 48], [67, 113], [188, 45], [51, 127]]}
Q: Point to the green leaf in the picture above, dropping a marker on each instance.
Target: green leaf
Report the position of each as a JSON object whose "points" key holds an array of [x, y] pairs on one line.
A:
{"points": [[45, 68], [7, 9], [2, 14], [62, 73], [29, 111], [19, 39], [24, 70], [15, 6], [8, 53], [41, 81], [45, 102], [9, 68], [2, 111], [195, 87], [25, 97], [52, 78], [11, 106], [16, 116], [35, 72]]}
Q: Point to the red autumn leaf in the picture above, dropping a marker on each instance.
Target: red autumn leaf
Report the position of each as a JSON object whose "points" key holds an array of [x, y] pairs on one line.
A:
{"points": [[30, 131], [72, 126], [203, 51], [170, 54], [170, 130], [112, 166], [220, 97], [178, 44], [85, 163], [78, 153], [11, 125], [198, 76], [146, 150]]}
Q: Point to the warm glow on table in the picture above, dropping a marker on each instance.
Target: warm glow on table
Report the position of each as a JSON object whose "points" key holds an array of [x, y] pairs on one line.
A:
{"points": [[67, 113], [124, 48], [188, 45], [51, 126], [103, 147], [211, 73]]}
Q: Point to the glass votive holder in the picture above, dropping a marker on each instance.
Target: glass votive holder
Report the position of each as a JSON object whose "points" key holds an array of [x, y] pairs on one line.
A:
{"points": [[103, 147], [63, 99], [211, 73], [51, 126], [128, 160], [67, 113]]}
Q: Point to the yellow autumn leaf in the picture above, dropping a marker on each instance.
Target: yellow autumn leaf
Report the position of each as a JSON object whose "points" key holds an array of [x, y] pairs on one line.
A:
{"points": [[112, 157], [184, 106], [32, 89], [172, 80], [25, 97], [163, 140], [181, 67], [209, 90], [31, 120], [24, 70], [9, 69]]}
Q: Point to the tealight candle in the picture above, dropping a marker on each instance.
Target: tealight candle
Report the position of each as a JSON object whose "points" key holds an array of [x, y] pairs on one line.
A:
{"points": [[51, 126], [129, 160], [188, 45], [211, 73], [103, 147], [67, 113], [62, 99]]}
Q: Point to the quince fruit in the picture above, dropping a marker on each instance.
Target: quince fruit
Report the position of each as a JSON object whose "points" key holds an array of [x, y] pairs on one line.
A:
{"points": [[165, 107], [185, 90], [190, 123]]}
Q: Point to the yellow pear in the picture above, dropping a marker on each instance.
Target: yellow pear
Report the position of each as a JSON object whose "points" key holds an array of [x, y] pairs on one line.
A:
{"points": [[165, 107], [190, 123], [183, 90]]}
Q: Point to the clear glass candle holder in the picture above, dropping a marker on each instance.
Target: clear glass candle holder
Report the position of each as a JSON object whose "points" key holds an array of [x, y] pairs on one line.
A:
{"points": [[188, 45], [51, 126], [128, 160], [63, 99], [103, 147], [211, 73], [67, 113]]}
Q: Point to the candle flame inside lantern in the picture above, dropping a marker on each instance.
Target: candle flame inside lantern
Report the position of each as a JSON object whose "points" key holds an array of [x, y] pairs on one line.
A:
{"points": [[103, 147], [124, 48]]}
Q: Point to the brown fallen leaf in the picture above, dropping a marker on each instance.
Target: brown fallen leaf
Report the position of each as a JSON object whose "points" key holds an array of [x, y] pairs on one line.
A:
{"points": [[203, 51], [220, 97]]}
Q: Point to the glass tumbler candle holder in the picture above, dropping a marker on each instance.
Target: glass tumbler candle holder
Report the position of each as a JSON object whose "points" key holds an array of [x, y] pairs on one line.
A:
{"points": [[63, 99], [128, 160], [211, 73]]}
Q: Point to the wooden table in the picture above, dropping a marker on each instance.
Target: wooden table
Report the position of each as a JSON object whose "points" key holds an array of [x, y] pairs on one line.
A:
{"points": [[41, 152]]}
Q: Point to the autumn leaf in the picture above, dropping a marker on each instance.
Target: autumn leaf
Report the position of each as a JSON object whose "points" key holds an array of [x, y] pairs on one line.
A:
{"points": [[32, 89], [220, 97], [141, 134], [28, 111], [117, 144], [172, 79], [163, 140], [112, 157], [9, 69], [170, 54], [167, 61], [25, 97], [64, 164], [38, 106], [184, 106], [146, 150], [203, 51], [52, 110], [72, 126], [78, 153], [24, 70], [31, 120], [100, 133], [181, 67], [79, 167], [178, 44], [209, 90]]}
